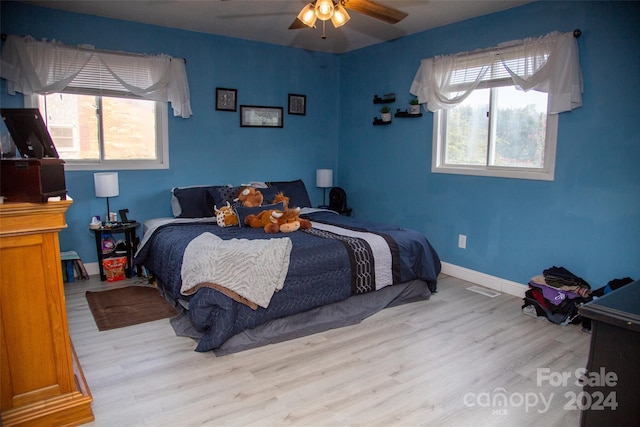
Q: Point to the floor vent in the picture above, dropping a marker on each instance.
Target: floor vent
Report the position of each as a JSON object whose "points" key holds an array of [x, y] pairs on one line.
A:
{"points": [[484, 291]]}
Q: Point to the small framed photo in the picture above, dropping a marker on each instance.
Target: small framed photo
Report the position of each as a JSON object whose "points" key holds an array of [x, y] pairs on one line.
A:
{"points": [[226, 99], [262, 117], [297, 104]]}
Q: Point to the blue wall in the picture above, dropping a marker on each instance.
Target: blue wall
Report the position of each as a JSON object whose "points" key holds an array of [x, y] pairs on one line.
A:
{"points": [[587, 220], [209, 147]]}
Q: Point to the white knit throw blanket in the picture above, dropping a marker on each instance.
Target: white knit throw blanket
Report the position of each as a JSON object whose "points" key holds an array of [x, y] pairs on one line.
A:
{"points": [[254, 269]]}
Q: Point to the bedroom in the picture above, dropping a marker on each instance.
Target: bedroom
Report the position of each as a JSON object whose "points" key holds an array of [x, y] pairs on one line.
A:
{"points": [[588, 219]]}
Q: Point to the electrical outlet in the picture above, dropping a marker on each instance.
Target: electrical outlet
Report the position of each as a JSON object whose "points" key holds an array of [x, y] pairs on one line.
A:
{"points": [[462, 241]]}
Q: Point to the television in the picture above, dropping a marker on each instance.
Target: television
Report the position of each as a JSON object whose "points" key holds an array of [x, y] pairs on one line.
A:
{"points": [[29, 132]]}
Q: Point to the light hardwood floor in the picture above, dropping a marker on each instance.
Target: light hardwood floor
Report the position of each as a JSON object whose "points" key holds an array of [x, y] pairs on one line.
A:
{"points": [[442, 362]]}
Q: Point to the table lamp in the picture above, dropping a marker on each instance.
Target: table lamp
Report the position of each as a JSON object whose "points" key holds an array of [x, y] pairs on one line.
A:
{"points": [[106, 184], [324, 180]]}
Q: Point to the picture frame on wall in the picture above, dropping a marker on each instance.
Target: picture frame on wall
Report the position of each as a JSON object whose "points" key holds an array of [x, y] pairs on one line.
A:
{"points": [[226, 99], [297, 104], [259, 116]]}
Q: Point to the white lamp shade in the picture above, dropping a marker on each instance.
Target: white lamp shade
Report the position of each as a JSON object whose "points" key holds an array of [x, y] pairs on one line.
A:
{"points": [[106, 184], [308, 15], [324, 178], [340, 16], [324, 9]]}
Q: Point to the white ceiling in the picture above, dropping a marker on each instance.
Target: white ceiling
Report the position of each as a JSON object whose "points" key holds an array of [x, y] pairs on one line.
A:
{"points": [[269, 20]]}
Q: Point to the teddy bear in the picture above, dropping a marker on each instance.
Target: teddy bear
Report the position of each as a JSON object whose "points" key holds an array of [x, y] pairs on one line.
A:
{"points": [[250, 197]]}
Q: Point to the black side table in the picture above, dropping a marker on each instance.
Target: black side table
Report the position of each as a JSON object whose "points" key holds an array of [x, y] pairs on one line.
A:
{"points": [[129, 230]]}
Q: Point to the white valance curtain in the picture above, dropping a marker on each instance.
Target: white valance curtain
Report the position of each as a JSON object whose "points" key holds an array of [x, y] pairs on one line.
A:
{"points": [[38, 67], [547, 64]]}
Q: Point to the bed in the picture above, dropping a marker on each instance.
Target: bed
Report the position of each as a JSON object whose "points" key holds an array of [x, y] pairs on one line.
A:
{"points": [[334, 274]]}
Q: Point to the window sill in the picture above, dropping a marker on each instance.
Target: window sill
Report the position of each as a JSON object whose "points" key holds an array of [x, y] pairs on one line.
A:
{"points": [[546, 175], [71, 166]]}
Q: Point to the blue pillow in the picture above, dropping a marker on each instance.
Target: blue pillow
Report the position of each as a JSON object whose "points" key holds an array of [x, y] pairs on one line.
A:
{"points": [[295, 191], [193, 202], [226, 194], [268, 194], [244, 211]]}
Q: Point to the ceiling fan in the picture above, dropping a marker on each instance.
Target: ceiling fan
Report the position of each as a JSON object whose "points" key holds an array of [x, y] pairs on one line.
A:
{"points": [[334, 10]]}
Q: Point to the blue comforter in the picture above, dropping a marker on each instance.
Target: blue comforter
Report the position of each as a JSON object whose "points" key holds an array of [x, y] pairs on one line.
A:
{"points": [[320, 272]]}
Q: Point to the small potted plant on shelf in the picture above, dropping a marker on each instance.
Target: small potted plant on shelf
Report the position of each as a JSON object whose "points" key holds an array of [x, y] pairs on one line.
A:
{"points": [[414, 106], [386, 113]]}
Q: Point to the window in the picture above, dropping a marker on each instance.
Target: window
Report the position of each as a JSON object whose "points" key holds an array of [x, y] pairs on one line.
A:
{"points": [[106, 132], [496, 110], [104, 109], [64, 137], [497, 131]]}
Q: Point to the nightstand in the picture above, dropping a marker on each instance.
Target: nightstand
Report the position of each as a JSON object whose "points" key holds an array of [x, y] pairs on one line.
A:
{"points": [[131, 242]]}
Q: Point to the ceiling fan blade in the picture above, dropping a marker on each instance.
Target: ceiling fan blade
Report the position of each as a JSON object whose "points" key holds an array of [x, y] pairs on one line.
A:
{"points": [[376, 10], [297, 24]]}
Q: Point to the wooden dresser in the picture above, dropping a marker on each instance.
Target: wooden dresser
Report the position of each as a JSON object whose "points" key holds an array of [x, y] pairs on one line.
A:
{"points": [[41, 380]]}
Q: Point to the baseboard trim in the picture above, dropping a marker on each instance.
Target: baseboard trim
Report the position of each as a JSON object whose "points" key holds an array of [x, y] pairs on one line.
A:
{"points": [[93, 269], [486, 280], [482, 279]]}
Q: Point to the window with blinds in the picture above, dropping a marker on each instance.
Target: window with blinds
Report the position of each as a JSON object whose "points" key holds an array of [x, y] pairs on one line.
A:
{"points": [[497, 130], [471, 68], [96, 120], [96, 77]]}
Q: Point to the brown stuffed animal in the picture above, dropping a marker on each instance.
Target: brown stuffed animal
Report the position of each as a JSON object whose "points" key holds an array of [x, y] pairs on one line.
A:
{"points": [[280, 197], [274, 221], [226, 216], [267, 219], [250, 197], [291, 221]]}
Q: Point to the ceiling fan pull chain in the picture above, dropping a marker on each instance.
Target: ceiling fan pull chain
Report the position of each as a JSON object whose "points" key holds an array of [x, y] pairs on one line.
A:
{"points": [[324, 36]]}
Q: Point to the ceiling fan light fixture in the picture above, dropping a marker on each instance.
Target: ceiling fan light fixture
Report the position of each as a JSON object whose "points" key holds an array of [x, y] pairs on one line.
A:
{"points": [[324, 9], [340, 16], [308, 15]]}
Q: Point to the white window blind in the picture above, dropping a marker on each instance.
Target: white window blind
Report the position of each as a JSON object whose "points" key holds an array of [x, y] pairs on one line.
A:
{"points": [[548, 64], [94, 75], [33, 67], [521, 61]]}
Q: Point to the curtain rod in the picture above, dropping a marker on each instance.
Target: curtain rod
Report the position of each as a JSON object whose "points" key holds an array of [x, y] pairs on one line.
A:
{"points": [[3, 37], [576, 33]]}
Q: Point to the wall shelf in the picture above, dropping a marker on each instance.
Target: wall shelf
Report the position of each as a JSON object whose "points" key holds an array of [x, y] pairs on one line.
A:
{"points": [[387, 98], [405, 114], [377, 121]]}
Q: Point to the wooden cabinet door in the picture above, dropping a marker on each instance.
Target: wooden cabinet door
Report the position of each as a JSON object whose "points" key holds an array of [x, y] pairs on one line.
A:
{"points": [[42, 383]]}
